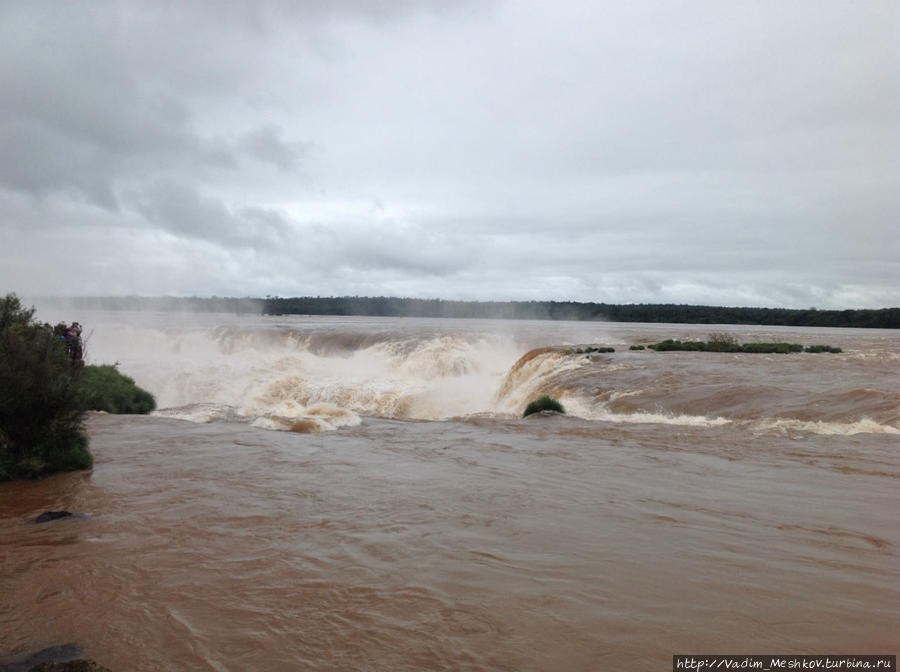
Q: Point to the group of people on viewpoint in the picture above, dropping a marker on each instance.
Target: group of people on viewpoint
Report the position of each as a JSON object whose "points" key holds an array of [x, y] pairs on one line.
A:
{"points": [[71, 336]]}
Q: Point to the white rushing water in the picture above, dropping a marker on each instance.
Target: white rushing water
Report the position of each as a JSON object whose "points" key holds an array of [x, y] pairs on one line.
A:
{"points": [[322, 373]]}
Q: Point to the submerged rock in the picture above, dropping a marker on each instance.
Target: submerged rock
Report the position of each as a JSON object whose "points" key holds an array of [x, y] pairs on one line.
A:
{"points": [[70, 666], [47, 516], [62, 653]]}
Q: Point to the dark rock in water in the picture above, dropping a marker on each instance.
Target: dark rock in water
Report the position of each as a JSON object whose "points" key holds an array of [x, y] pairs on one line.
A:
{"points": [[71, 666], [47, 516], [53, 654]]}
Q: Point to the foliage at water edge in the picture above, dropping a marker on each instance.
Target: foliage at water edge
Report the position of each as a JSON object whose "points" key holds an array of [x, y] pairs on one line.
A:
{"points": [[105, 388], [41, 415], [544, 403]]}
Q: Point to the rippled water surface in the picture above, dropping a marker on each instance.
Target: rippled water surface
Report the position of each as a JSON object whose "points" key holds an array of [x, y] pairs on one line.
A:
{"points": [[690, 503]]}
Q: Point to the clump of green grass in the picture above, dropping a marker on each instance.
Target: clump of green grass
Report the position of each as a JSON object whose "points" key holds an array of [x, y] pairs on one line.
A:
{"points": [[636, 347], [670, 344], [105, 388], [767, 348], [544, 403], [726, 346], [583, 351], [821, 348]]}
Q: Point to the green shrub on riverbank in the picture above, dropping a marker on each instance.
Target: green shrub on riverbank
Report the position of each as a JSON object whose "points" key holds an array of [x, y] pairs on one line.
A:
{"points": [[41, 417], [545, 403], [105, 388]]}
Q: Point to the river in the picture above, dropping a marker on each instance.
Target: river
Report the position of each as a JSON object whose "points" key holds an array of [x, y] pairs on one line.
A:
{"points": [[361, 494]]}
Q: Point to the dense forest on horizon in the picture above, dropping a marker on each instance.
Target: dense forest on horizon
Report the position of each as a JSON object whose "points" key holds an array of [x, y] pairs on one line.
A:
{"points": [[382, 306]]}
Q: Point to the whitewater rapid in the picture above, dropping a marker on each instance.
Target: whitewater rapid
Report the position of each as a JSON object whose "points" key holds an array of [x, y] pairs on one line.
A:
{"points": [[313, 374]]}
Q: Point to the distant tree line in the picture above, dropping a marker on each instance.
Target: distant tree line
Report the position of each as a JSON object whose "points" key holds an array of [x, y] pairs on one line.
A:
{"points": [[385, 306]]}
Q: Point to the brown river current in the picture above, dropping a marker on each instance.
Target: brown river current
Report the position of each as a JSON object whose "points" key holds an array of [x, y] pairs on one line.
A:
{"points": [[360, 494]]}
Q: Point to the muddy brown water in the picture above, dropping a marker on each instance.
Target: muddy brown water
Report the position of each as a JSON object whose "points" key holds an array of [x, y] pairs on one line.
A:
{"points": [[696, 503]]}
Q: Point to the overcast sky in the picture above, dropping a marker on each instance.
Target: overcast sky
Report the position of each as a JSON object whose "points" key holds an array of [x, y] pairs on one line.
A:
{"points": [[716, 152]]}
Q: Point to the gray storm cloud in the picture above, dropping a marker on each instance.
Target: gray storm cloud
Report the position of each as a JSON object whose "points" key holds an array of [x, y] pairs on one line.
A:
{"points": [[701, 152]]}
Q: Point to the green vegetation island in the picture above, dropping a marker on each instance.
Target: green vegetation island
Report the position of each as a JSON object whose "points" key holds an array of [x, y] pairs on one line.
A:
{"points": [[719, 341], [722, 342], [46, 391], [545, 403], [384, 306]]}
